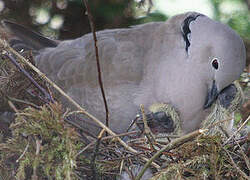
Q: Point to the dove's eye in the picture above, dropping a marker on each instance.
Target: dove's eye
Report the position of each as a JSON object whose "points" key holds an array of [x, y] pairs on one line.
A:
{"points": [[215, 63]]}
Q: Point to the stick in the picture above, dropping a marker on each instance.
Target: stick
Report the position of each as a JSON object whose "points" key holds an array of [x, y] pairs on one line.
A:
{"points": [[171, 145], [96, 150], [92, 26], [42, 90], [235, 166], [238, 130], [147, 130]]}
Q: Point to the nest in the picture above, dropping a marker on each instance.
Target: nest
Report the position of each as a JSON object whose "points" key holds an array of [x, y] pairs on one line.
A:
{"points": [[43, 145]]}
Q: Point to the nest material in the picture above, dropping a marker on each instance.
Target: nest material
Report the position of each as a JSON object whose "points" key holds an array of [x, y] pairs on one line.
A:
{"points": [[221, 120], [41, 143], [16, 87], [203, 158], [44, 145]]}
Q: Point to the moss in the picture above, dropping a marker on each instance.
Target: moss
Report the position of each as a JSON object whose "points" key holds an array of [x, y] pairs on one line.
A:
{"points": [[49, 145], [238, 118]]}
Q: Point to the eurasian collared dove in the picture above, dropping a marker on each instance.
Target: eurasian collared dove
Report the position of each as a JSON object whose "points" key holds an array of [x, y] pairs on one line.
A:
{"points": [[186, 62]]}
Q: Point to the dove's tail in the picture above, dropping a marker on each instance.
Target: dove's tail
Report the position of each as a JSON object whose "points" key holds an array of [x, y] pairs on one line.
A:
{"points": [[26, 39]]}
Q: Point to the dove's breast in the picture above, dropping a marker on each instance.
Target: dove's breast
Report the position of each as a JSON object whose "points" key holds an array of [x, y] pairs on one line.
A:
{"points": [[72, 65]]}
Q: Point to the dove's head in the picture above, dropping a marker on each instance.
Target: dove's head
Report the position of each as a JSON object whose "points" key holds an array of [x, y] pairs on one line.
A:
{"points": [[217, 50], [202, 50], [213, 52], [197, 58]]}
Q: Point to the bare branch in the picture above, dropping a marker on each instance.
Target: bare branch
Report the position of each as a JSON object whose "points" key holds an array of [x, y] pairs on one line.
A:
{"points": [[235, 166], [168, 147], [238, 130], [48, 97], [92, 26]]}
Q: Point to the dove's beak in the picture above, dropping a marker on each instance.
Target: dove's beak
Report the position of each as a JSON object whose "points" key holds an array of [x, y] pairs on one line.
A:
{"points": [[212, 95]]}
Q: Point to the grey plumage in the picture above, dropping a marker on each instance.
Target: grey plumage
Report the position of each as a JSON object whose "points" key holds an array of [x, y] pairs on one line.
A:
{"points": [[170, 62], [134, 171]]}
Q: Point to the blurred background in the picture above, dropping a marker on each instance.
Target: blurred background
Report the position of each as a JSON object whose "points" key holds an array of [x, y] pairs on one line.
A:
{"points": [[65, 19]]}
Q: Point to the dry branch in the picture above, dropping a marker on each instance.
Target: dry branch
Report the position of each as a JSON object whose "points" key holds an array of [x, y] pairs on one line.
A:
{"points": [[238, 130], [170, 146], [92, 26]]}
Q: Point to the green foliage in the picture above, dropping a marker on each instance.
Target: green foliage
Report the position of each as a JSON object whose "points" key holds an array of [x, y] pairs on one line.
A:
{"points": [[45, 145], [238, 118], [151, 17], [241, 23], [235, 13], [112, 14]]}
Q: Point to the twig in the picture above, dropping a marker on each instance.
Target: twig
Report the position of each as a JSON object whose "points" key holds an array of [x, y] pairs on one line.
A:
{"points": [[121, 166], [246, 159], [147, 130], [83, 111], [98, 142], [216, 123], [38, 147], [120, 135], [48, 97], [85, 148], [171, 145], [92, 26], [12, 106], [104, 138], [168, 136], [235, 166], [238, 130], [111, 160], [22, 101], [25, 150]]}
